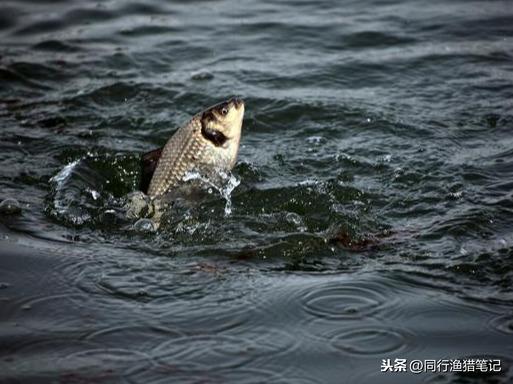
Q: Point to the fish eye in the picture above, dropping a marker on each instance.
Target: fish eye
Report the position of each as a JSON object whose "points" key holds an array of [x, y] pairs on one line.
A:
{"points": [[223, 110]]}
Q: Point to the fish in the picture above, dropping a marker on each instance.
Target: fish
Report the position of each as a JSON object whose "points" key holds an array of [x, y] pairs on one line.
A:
{"points": [[207, 144]]}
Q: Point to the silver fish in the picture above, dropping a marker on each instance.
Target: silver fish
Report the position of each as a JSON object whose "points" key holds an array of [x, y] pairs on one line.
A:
{"points": [[207, 144]]}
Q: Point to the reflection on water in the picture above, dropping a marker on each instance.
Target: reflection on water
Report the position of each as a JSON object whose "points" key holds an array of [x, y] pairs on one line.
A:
{"points": [[368, 217]]}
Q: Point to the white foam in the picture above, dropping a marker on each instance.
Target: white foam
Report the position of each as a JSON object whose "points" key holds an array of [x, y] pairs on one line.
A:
{"points": [[64, 173]]}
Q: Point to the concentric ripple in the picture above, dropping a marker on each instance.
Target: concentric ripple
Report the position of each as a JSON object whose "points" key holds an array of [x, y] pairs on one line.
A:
{"points": [[203, 351], [503, 323], [369, 341], [161, 375], [226, 353], [104, 361], [37, 357], [343, 301], [50, 309]]}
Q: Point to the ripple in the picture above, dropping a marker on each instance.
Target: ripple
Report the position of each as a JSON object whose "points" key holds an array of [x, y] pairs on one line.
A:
{"points": [[50, 311], [101, 362], [503, 323], [39, 356], [211, 314], [175, 292], [145, 30], [268, 342], [155, 280], [175, 374], [148, 335], [110, 94], [55, 46], [8, 17], [201, 352], [38, 27], [343, 301], [375, 39], [204, 351], [11, 75], [473, 222], [370, 341]]}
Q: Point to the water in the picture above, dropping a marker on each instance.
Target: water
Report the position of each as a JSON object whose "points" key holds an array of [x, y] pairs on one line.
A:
{"points": [[373, 219]]}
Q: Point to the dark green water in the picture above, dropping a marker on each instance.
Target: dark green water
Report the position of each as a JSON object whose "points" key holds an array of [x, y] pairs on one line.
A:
{"points": [[373, 219]]}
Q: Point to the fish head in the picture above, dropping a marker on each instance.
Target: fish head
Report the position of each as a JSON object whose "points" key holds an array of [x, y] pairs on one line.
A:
{"points": [[222, 123]]}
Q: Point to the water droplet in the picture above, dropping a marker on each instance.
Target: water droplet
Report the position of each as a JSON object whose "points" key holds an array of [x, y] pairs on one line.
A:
{"points": [[94, 194], [145, 225], [10, 207], [314, 139], [138, 205], [202, 76], [456, 195]]}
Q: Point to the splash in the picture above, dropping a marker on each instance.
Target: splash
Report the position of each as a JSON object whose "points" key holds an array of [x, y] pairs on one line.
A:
{"points": [[226, 191], [225, 183], [64, 174], [61, 202]]}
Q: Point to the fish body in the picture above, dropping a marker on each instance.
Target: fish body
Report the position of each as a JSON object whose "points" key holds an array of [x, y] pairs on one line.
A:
{"points": [[207, 144]]}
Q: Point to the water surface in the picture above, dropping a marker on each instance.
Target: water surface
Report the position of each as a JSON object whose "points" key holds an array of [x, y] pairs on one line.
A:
{"points": [[374, 213]]}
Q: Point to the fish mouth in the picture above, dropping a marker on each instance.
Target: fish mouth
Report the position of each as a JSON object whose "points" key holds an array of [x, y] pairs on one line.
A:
{"points": [[237, 102]]}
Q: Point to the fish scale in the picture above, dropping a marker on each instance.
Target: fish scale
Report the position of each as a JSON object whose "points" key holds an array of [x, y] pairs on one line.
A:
{"points": [[175, 162], [207, 144]]}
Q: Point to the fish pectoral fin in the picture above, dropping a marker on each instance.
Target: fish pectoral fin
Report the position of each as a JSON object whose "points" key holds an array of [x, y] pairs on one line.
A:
{"points": [[149, 162]]}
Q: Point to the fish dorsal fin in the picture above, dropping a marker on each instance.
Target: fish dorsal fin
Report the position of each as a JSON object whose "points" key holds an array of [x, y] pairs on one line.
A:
{"points": [[149, 162]]}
